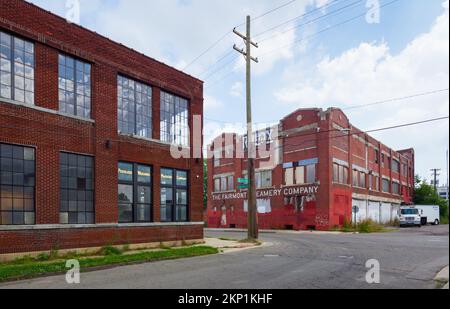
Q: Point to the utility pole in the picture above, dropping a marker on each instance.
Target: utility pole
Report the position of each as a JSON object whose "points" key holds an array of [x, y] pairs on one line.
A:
{"points": [[253, 232], [446, 161], [435, 172]]}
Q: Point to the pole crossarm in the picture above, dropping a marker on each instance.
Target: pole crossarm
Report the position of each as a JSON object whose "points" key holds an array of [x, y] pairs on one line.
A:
{"points": [[241, 51], [244, 38]]}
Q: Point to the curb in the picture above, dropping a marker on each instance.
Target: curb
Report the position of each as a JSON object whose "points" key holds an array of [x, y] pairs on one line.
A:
{"points": [[442, 277]]}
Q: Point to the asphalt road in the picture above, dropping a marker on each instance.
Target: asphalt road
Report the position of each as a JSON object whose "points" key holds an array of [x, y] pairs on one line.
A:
{"points": [[409, 259]]}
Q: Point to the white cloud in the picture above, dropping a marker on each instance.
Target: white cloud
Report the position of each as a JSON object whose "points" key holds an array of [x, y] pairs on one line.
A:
{"points": [[237, 90], [370, 73], [211, 103]]}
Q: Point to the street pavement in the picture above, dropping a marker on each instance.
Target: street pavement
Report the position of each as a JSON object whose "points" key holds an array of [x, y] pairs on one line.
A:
{"points": [[409, 259]]}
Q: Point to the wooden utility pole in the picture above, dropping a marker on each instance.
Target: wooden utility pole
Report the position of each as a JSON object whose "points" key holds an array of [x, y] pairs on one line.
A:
{"points": [[435, 172], [251, 149]]}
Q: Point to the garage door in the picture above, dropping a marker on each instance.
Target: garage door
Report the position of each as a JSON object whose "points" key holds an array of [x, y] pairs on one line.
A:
{"points": [[362, 214], [394, 211], [386, 212], [374, 211]]}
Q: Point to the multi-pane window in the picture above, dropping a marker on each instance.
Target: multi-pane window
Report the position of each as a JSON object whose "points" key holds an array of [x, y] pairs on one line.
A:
{"points": [[174, 195], [17, 184], [263, 179], [224, 183], [311, 173], [76, 189], [288, 173], [395, 187], [362, 180], [289, 176], [230, 183], [74, 87], [217, 185], [300, 175], [16, 69], [377, 156], [217, 157], [134, 192], [395, 166], [374, 183], [134, 111], [386, 185], [174, 119], [340, 174]]}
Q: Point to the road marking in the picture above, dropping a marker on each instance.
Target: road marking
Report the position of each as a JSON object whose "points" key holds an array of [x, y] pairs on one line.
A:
{"points": [[346, 257], [271, 255]]}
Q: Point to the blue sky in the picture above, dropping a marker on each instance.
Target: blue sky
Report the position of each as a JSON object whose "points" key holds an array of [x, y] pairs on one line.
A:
{"points": [[357, 63]]}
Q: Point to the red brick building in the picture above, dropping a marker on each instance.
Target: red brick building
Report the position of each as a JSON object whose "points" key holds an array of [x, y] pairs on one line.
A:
{"points": [[318, 168], [86, 127]]}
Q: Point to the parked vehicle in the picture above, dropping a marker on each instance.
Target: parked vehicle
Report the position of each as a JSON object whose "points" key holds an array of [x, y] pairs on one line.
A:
{"points": [[410, 216], [431, 214]]}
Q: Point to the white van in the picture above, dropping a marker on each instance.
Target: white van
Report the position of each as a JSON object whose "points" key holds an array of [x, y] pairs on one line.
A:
{"points": [[431, 212], [409, 216]]}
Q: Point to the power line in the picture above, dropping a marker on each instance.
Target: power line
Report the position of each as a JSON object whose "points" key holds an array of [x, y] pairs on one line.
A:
{"points": [[360, 132], [269, 12], [368, 131], [332, 13], [223, 37], [303, 15], [372, 103], [308, 37], [229, 53], [397, 99], [224, 66], [327, 29], [207, 50], [298, 17]]}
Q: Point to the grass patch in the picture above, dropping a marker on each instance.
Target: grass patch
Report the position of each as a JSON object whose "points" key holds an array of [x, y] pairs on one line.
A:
{"points": [[364, 227], [26, 268]]}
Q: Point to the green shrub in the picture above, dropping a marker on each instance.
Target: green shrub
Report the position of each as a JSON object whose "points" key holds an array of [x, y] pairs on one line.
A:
{"points": [[369, 226], [110, 251], [54, 253], [42, 257]]}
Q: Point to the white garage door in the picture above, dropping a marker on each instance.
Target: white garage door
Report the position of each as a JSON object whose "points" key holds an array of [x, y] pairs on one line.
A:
{"points": [[362, 214], [374, 211], [394, 211], [386, 212]]}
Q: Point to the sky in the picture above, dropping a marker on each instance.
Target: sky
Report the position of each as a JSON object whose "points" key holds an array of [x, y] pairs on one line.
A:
{"points": [[312, 53]]}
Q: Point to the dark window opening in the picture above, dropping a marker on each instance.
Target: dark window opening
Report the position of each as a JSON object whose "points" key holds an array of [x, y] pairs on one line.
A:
{"points": [[76, 189], [17, 185], [134, 193], [174, 195]]}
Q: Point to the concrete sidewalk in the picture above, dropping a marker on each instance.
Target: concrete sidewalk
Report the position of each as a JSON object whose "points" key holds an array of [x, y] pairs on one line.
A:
{"points": [[273, 231], [442, 278], [231, 245]]}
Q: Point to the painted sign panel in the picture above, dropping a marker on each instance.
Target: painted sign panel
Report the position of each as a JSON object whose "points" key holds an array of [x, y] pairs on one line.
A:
{"points": [[268, 193]]}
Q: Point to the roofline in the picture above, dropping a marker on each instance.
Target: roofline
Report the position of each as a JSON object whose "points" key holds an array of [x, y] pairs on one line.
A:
{"points": [[110, 40]]}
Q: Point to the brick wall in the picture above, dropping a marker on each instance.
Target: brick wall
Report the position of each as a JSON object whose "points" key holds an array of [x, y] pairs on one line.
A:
{"points": [[315, 133], [50, 133]]}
